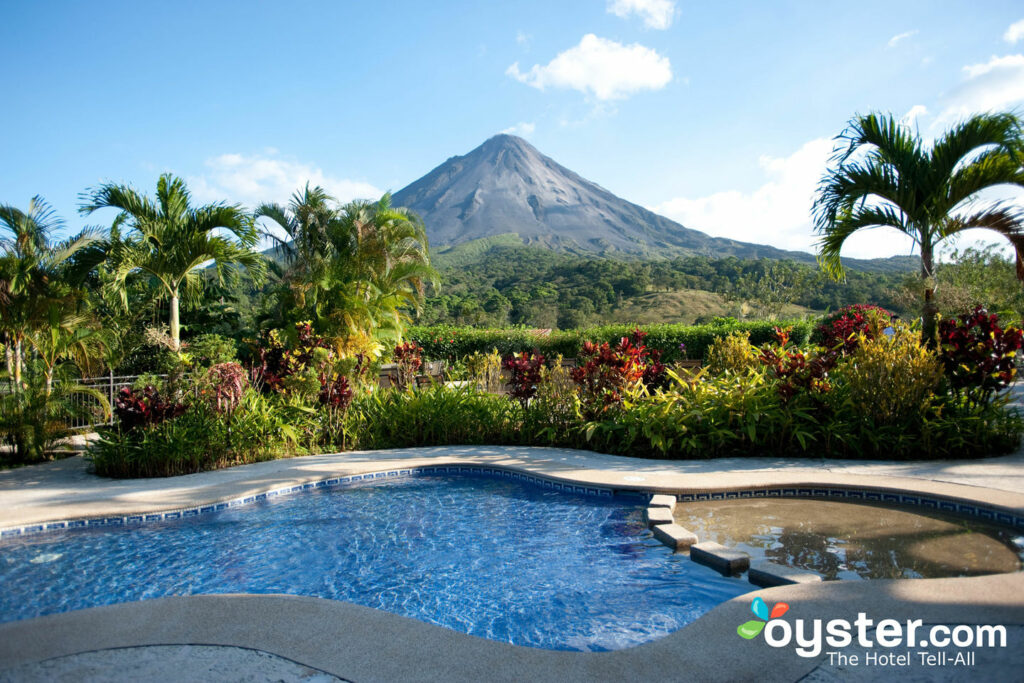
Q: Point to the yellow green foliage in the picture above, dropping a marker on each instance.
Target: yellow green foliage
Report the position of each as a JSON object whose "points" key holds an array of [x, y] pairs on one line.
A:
{"points": [[485, 370], [733, 353], [891, 378]]}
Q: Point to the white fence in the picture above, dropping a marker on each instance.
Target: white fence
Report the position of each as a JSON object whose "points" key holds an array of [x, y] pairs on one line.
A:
{"points": [[109, 386]]}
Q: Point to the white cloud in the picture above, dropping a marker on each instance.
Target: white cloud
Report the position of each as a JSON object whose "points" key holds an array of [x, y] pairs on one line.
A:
{"points": [[522, 129], [991, 86], [1015, 32], [916, 112], [899, 37], [252, 180], [522, 38], [601, 67], [657, 14], [779, 211]]}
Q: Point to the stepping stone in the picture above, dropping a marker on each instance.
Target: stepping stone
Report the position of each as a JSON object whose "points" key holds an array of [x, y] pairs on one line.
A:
{"points": [[663, 501], [715, 555], [768, 574], [656, 516], [675, 536]]}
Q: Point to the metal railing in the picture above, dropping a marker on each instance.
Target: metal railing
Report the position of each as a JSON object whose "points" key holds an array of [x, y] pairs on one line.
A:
{"points": [[108, 385]]}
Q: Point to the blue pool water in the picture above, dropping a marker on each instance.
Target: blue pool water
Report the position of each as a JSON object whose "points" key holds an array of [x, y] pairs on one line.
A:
{"points": [[494, 558]]}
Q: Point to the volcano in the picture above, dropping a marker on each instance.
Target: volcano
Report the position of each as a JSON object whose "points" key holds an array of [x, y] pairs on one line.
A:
{"points": [[506, 186]]}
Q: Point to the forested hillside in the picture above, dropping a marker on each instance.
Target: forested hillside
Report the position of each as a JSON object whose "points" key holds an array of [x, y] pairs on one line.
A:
{"points": [[507, 284]]}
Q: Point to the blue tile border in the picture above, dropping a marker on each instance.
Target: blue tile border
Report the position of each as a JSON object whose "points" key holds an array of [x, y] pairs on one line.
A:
{"points": [[861, 494]]}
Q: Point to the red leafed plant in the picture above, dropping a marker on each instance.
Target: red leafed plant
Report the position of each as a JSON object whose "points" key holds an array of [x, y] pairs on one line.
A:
{"points": [[977, 354], [335, 392], [524, 374], [226, 382], [606, 372], [274, 361], [409, 358], [840, 330], [144, 408], [796, 370]]}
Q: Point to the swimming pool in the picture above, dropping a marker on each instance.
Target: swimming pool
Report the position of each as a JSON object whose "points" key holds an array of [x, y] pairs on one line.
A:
{"points": [[490, 557]]}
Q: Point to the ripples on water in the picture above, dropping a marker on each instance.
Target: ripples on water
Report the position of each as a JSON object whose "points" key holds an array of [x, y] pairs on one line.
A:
{"points": [[489, 557]]}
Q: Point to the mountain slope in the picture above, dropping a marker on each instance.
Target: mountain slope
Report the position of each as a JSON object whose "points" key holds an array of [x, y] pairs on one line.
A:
{"points": [[506, 186]]}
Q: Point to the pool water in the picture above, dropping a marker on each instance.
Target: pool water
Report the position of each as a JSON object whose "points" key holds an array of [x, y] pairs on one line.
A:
{"points": [[490, 557], [843, 540]]}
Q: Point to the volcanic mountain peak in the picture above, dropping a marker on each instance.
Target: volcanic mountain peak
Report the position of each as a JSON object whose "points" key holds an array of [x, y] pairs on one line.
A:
{"points": [[505, 186]]}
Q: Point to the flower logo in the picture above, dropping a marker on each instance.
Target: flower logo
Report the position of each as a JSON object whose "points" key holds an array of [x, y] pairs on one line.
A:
{"points": [[752, 628]]}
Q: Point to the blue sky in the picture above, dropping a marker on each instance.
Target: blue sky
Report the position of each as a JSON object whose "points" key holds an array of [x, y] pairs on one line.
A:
{"points": [[719, 115]]}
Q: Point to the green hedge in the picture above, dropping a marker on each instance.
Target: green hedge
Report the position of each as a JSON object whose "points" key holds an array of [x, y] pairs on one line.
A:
{"points": [[445, 342]]}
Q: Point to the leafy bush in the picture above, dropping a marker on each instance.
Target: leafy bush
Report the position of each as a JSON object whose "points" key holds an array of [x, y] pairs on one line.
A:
{"points": [[977, 354], [208, 350], [34, 417], [408, 357], [433, 416], [141, 408], [553, 417], [484, 369], [224, 385], [452, 343], [524, 375], [733, 353], [843, 327], [798, 370], [198, 439], [891, 380]]}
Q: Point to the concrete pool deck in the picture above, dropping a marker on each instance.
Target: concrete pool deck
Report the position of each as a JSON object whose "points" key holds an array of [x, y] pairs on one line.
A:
{"points": [[358, 643]]}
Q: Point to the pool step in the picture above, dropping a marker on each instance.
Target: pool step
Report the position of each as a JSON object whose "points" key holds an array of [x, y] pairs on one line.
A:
{"points": [[768, 574], [715, 555], [663, 501], [656, 516], [675, 536]]}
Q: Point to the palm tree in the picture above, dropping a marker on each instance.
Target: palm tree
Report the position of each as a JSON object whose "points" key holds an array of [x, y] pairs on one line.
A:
{"points": [[355, 270], [37, 275], [885, 176], [171, 242], [385, 256]]}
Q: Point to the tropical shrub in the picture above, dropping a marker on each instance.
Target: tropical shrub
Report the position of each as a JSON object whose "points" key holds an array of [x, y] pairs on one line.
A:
{"points": [[891, 379], [553, 416], [977, 354], [843, 327], [141, 408], [484, 369], [446, 342], [798, 371], [524, 375], [606, 374], [225, 383], [733, 353], [198, 439], [434, 416], [408, 357], [208, 350], [34, 417]]}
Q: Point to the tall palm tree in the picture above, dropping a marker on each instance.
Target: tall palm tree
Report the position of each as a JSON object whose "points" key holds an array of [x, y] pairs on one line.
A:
{"points": [[38, 275], [387, 258], [171, 242], [885, 176], [356, 269]]}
